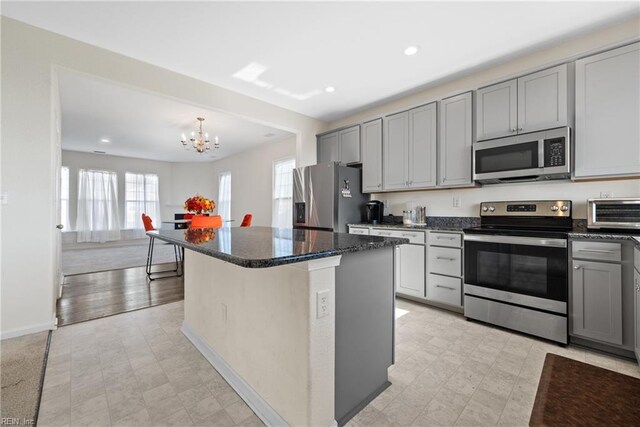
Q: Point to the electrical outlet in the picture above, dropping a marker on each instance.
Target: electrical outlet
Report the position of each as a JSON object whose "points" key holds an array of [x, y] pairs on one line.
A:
{"points": [[456, 201], [322, 301], [606, 194], [224, 313]]}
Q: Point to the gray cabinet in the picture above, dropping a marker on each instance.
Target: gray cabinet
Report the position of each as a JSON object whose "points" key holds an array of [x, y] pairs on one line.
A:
{"points": [[530, 103], [444, 281], [372, 156], [597, 301], [542, 100], [608, 113], [422, 146], [497, 110], [328, 148], [409, 149], [395, 151], [409, 270], [455, 141], [340, 146], [350, 145]]}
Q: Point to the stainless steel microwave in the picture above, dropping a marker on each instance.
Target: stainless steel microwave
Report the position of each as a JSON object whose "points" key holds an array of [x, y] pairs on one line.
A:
{"points": [[535, 156], [623, 213]]}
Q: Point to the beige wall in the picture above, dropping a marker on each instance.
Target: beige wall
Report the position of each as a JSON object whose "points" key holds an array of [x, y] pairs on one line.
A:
{"points": [[252, 180], [30, 57], [440, 202]]}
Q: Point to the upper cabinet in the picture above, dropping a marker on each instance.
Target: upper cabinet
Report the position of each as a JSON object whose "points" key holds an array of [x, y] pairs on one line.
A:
{"points": [[497, 110], [608, 114], [340, 146], [534, 102], [456, 138], [372, 156], [409, 149]]}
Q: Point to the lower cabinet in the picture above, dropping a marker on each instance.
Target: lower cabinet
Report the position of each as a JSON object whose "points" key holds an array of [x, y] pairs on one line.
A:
{"points": [[444, 290], [597, 301], [410, 273], [636, 304], [444, 282]]}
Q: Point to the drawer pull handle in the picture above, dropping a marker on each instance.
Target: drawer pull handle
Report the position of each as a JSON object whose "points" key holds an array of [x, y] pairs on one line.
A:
{"points": [[446, 287], [409, 235], [445, 258], [445, 238], [597, 251]]}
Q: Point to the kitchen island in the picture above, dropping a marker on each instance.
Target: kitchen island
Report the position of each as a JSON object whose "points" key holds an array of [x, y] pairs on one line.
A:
{"points": [[300, 323]]}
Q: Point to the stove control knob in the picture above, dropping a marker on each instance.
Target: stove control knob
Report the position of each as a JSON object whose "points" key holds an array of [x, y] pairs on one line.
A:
{"points": [[554, 208], [484, 209], [564, 208], [492, 209]]}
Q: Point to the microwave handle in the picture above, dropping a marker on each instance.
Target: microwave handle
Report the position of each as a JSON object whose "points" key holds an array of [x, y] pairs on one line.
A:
{"points": [[541, 153]]}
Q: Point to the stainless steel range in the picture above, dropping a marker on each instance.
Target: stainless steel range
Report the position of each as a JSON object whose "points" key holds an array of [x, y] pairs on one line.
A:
{"points": [[516, 267]]}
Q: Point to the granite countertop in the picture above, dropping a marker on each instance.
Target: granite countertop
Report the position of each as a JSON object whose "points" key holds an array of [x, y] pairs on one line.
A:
{"points": [[580, 231], [261, 247], [443, 223]]}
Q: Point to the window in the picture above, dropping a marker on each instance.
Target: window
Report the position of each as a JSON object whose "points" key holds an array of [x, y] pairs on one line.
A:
{"points": [[98, 219], [282, 215], [224, 195], [64, 197], [141, 195]]}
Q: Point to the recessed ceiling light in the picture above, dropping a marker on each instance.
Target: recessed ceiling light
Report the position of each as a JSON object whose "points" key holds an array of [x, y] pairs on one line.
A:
{"points": [[330, 89], [105, 140], [411, 50]]}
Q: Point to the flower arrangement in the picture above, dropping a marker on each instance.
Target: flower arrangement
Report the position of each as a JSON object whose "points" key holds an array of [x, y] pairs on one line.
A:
{"points": [[199, 235], [199, 204]]}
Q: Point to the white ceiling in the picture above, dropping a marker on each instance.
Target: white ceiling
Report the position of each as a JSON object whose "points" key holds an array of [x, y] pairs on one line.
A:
{"points": [[144, 125], [305, 46]]}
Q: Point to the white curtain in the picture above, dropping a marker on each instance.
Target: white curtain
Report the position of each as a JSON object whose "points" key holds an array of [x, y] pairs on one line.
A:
{"points": [[282, 215], [142, 195], [98, 219], [224, 196]]}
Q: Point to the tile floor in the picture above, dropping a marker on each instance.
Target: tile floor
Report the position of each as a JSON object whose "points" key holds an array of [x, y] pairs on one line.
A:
{"points": [[138, 369]]}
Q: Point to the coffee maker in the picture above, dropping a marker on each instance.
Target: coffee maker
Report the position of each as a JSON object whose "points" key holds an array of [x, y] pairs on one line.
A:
{"points": [[375, 211]]}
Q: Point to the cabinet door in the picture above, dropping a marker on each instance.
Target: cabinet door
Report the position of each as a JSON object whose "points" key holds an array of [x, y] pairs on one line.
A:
{"points": [[395, 148], [350, 145], [496, 110], [608, 113], [542, 100], [422, 146], [410, 270], [328, 148], [455, 140], [597, 301], [636, 310], [372, 156]]}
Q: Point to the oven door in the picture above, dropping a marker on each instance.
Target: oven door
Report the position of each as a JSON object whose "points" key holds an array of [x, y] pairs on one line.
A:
{"points": [[533, 268]]}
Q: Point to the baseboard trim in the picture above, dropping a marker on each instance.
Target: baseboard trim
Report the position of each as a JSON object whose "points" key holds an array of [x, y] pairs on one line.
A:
{"points": [[262, 409], [26, 331]]}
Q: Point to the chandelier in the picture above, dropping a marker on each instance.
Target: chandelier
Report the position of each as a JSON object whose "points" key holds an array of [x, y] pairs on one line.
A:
{"points": [[199, 140]]}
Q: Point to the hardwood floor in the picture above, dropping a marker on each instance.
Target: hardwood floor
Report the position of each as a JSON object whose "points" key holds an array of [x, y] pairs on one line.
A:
{"points": [[95, 295]]}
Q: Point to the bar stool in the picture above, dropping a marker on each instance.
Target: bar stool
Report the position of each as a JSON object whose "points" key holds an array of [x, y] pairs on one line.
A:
{"points": [[148, 226]]}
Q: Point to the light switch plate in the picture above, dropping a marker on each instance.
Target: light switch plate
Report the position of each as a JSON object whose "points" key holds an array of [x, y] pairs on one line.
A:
{"points": [[4, 198], [606, 194]]}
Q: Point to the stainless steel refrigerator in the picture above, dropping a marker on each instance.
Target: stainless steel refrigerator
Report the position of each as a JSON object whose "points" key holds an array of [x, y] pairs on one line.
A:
{"points": [[327, 196]]}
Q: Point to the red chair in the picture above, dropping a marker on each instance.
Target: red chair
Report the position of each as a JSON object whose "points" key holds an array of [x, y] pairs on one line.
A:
{"points": [[199, 221], [148, 226], [246, 221], [188, 216]]}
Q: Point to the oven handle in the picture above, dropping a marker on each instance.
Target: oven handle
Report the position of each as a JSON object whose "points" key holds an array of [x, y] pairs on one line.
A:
{"points": [[516, 240]]}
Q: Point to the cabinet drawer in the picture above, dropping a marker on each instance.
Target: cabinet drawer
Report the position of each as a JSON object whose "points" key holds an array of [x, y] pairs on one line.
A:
{"points": [[358, 230], [453, 240], [601, 251], [446, 290], [416, 237], [446, 261]]}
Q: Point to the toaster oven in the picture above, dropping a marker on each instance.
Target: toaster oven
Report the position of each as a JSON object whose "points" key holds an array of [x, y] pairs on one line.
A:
{"points": [[614, 213]]}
